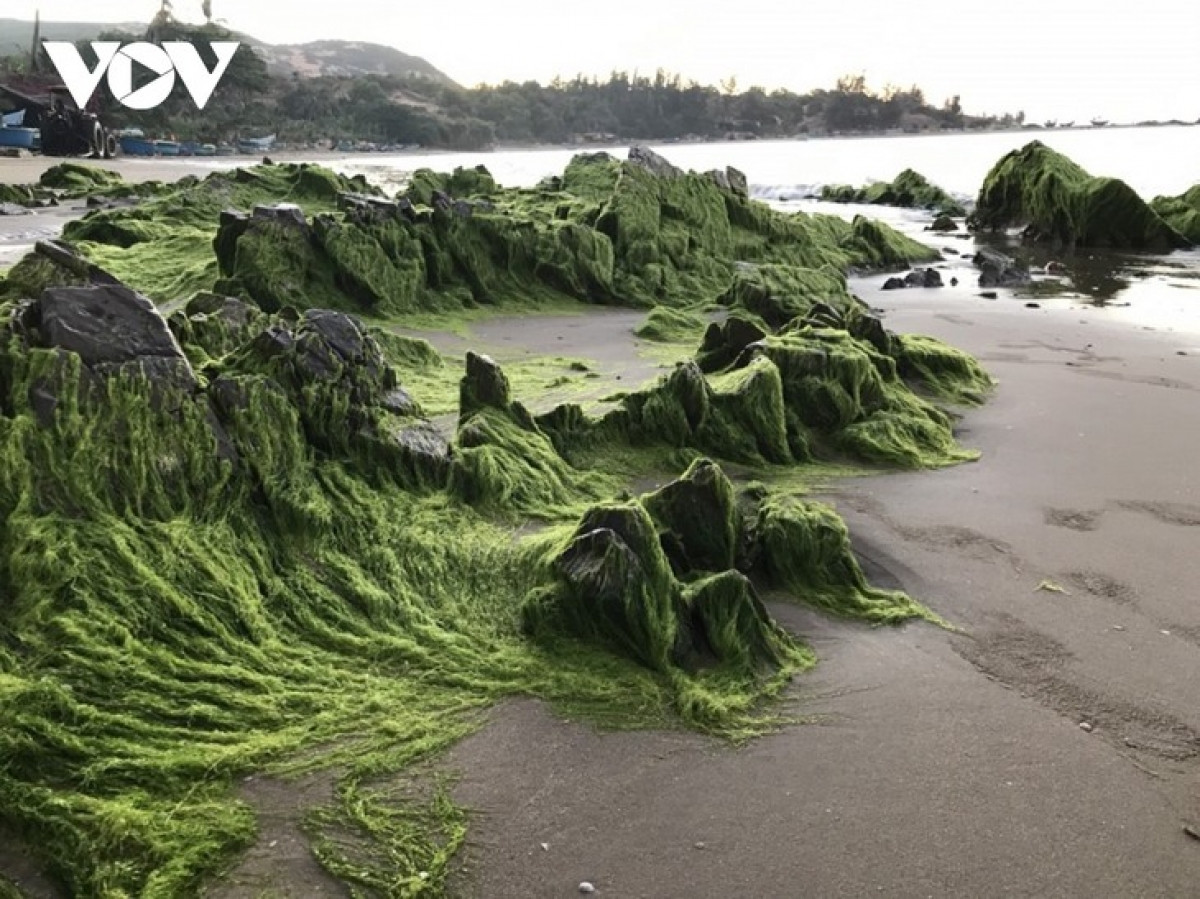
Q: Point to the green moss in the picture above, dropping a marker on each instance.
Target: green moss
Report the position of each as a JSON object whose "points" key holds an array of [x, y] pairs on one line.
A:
{"points": [[277, 569], [667, 325], [942, 370], [77, 178], [909, 189], [1057, 202], [1182, 213], [804, 548]]}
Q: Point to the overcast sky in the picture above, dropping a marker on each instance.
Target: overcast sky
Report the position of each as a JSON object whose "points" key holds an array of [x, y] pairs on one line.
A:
{"points": [[1053, 59]]}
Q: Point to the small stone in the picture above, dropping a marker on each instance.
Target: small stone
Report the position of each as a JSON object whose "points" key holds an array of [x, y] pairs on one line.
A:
{"points": [[586, 887], [1085, 727], [990, 295], [545, 847], [1165, 633], [1192, 831], [1033, 305], [1118, 627], [701, 846], [1181, 352]]}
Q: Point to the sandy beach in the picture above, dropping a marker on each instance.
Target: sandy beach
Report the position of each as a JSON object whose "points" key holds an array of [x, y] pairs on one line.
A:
{"points": [[1048, 745], [1048, 748]]}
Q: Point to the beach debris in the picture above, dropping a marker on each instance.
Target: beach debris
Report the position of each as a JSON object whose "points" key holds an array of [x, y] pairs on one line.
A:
{"points": [[1033, 305], [1086, 727], [1192, 831], [700, 845], [586, 887], [1050, 587], [990, 295], [545, 847]]}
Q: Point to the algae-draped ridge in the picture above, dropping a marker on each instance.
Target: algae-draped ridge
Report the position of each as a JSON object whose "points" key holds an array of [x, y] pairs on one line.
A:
{"points": [[1056, 202], [233, 542]]}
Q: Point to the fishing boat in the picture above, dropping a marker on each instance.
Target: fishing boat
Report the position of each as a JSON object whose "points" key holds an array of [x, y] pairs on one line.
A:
{"points": [[134, 142], [207, 150], [22, 138]]}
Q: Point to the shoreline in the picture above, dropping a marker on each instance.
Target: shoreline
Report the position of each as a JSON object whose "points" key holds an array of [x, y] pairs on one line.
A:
{"points": [[935, 762]]}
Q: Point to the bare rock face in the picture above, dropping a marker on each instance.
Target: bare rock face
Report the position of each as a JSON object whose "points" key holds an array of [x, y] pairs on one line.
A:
{"points": [[656, 165]]}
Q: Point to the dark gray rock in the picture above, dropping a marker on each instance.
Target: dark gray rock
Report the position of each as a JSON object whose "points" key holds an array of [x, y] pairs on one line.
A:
{"points": [[998, 270], [105, 324], [281, 213], [423, 455], [894, 283], [645, 158], [737, 182], [943, 223], [923, 277], [400, 402], [231, 225], [484, 386], [697, 520], [725, 341]]}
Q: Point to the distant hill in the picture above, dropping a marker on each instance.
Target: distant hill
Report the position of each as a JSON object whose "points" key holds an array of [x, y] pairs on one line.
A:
{"points": [[307, 60], [15, 34], [345, 58]]}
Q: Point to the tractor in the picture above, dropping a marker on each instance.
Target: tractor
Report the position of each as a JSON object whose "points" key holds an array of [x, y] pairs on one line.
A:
{"points": [[66, 129]]}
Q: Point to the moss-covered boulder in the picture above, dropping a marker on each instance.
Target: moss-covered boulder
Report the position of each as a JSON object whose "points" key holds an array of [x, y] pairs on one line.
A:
{"points": [[909, 189], [613, 586], [804, 547], [1055, 202], [78, 179], [726, 340], [1182, 212]]}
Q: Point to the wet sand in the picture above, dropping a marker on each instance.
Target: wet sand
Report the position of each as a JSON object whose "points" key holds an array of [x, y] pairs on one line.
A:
{"points": [[939, 763]]}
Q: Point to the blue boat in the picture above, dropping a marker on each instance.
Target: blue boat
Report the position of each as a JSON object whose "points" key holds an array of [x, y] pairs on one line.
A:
{"points": [[13, 119], [134, 143], [22, 138], [167, 147]]}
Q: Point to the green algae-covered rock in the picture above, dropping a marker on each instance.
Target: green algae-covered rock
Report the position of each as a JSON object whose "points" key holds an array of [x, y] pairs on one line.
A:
{"points": [[614, 587], [804, 547], [638, 232], [909, 189], [1056, 202], [77, 178], [698, 519], [726, 340], [1182, 213], [727, 622]]}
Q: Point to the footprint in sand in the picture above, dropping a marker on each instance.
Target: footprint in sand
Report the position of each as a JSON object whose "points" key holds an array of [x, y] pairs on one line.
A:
{"points": [[1099, 584], [1181, 514], [1075, 519]]}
